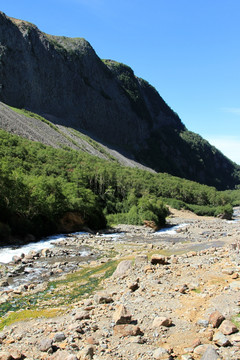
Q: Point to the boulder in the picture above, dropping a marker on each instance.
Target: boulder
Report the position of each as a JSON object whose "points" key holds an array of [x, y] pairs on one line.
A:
{"points": [[158, 259], [216, 318], [161, 321], [45, 344], [123, 268], [220, 339], [227, 327], [210, 354], [122, 315]]}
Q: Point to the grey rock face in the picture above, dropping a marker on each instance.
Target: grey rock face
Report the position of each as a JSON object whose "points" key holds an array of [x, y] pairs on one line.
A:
{"points": [[65, 81]]}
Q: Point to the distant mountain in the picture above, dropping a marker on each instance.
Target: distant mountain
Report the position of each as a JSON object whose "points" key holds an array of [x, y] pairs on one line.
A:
{"points": [[65, 81]]}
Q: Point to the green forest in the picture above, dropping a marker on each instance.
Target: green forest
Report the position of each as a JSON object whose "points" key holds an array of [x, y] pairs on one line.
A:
{"points": [[39, 184]]}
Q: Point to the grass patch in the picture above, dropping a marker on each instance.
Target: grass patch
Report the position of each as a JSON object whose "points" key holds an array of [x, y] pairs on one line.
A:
{"points": [[64, 291], [28, 314], [236, 321]]}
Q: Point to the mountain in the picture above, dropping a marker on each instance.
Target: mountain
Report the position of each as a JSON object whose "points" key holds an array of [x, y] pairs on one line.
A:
{"points": [[63, 80]]}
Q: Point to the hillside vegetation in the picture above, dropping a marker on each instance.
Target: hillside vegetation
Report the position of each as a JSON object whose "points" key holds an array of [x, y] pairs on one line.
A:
{"points": [[40, 184]]}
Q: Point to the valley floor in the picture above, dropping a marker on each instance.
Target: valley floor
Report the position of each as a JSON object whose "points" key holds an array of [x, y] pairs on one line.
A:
{"points": [[160, 303]]}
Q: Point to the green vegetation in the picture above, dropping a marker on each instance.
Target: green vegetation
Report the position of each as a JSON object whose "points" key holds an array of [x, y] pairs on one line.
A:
{"points": [[39, 184], [71, 287]]}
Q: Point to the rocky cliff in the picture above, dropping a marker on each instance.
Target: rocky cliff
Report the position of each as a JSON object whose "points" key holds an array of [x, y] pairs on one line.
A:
{"points": [[64, 80]]}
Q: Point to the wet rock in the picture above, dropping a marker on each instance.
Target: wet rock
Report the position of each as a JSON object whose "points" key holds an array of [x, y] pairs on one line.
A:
{"points": [[216, 318], [161, 321], [16, 259], [227, 327], [46, 252], [123, 268], [4, 283], [122, 315]]}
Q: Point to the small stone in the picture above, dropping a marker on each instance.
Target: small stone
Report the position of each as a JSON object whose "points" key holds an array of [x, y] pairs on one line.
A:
{"points": [[92, 341], [216, 318], [161, 321], [87, 353], [122, 315], [220, 339], [160, 354], [227, 327], [134, 285], [63, 355], [59, 337], [203, 323]]}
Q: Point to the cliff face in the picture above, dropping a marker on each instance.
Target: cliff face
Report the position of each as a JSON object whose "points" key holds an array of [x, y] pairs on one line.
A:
{"points": [[64, 80]]}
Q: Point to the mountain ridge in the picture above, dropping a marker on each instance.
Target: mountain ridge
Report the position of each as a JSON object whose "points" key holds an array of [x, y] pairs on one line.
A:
{"points": [[65, 81]]}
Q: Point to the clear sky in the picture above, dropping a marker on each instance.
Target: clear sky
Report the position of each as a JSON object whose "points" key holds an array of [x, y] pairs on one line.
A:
{"points": [[187, 49]]}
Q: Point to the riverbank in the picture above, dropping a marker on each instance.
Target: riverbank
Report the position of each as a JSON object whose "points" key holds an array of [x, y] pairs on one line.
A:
{"points": [[157, 306]]}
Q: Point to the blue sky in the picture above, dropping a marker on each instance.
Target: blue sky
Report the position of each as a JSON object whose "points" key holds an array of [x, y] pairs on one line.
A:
{"points": [[188, 49]]}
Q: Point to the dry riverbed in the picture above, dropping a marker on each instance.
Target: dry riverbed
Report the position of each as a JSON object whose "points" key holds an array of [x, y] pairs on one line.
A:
{"points": [[173, 296]]}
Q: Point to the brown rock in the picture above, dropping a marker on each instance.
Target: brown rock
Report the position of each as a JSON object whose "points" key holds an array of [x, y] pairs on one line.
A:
{"points": [[161, 321], [134, 285], [122, 315], [5, 356], [216, 318], [87, 353], [126, 330], [92, 341], [82, 315], [158, 259], [103, 298], [227, 327]]}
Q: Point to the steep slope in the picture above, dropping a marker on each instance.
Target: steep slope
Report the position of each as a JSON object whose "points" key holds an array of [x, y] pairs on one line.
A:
{"points": [[64, 80]]}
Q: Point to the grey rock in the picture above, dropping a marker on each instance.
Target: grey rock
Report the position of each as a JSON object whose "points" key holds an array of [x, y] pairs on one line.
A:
{"points": [[45, 344], [123, 268], [220, 339], [59, 337], [210, 354]]}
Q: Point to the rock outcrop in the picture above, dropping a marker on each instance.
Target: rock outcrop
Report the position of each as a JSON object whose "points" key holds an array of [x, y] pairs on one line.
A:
{"points": [[65, 81]]}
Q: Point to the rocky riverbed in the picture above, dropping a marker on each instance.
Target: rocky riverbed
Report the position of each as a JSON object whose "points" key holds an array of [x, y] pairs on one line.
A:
{"points": [[174, 295]]}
